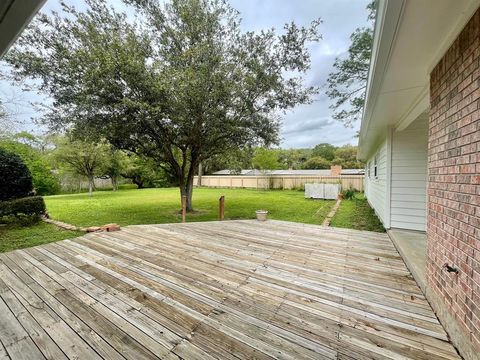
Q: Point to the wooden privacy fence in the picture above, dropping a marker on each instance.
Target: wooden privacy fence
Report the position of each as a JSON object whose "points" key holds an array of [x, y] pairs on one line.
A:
{"points": [[278, 182]]}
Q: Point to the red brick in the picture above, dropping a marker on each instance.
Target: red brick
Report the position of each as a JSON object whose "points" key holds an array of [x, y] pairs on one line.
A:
{"points": [[453, 217]]}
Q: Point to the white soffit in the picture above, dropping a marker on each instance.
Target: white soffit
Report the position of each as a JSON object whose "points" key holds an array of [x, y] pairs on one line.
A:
{"points": [[14, 16], [410, 38]]}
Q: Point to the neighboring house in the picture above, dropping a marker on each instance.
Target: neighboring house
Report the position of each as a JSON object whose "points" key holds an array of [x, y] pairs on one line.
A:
{"points": [[334, 171], [251, 172], [352, 172], [420, 138], [256, 172]]}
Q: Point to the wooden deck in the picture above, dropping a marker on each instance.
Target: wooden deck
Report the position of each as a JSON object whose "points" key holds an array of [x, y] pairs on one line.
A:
{"points": [[225, 290]]}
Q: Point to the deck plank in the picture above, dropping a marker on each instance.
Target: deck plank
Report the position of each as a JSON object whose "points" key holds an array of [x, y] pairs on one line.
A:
{"points": [[224, 290]]}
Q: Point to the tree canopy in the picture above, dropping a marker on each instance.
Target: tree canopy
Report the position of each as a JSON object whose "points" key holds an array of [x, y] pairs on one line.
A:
{"points": [[82, 158], [179, 85], [317, 162], [347, 83], [324, 150], [321, 156], [346, 156], [266, 159]]}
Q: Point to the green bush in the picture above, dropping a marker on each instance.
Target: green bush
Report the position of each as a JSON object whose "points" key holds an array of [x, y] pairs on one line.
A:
{"points": [[15, 178], [45, 182], [27, 206], [349, 194]]}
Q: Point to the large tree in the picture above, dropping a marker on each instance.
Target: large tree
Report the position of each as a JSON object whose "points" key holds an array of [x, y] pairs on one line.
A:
{"points": [[179, 84], [82, 158], [347, 83], [112, 166]]}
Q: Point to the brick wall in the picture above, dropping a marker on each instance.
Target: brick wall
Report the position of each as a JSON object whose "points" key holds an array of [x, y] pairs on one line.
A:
{"points": [[335, 170], [454, 185]]}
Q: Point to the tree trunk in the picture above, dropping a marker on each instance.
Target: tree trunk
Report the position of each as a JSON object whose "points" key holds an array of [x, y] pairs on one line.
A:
{"points": [[91, 185], [189, 194], [186, 189], [138, 181], [114, 180], [200, 173]]}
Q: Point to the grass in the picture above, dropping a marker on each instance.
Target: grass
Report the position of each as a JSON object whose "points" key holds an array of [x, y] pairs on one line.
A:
{"points": [[150, 206], [155, 206], [15, 236], [357, 214]]}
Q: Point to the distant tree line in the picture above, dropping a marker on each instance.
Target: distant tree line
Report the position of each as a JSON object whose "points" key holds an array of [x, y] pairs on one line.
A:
{"points": [[321, 156], [52, 159]]}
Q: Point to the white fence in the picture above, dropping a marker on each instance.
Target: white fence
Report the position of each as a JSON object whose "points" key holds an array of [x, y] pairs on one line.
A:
{"points": [[322, 191]]}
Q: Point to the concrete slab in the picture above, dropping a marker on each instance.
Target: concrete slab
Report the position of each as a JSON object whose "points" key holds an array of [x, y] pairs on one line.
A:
{"points": [[412, 246]]}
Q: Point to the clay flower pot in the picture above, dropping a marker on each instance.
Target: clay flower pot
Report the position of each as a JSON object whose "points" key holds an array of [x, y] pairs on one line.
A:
{"points": [[261, 215]]}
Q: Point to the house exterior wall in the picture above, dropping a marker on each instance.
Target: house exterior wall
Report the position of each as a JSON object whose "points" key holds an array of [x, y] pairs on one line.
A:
{"points": [[409, 176], [376, 185], [453, 220]]}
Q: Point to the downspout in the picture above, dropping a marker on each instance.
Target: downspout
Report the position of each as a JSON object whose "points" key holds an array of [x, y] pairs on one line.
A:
{"points": [[388, 180]]}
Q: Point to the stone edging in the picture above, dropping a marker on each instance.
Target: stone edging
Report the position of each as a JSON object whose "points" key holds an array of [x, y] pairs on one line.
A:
{"points": [[65, 226]]}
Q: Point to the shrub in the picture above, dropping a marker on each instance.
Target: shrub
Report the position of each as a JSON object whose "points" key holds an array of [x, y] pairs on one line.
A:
{"points": [[44, 180], [349, 194], [15, 178], [27, 206]]}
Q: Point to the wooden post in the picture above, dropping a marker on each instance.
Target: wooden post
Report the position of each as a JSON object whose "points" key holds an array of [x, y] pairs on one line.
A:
{"points": [[184, 208], [221, 208]]}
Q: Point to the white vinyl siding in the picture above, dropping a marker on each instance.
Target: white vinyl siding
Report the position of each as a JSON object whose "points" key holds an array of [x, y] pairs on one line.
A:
{"points": [[376, 186], [409, 177]]}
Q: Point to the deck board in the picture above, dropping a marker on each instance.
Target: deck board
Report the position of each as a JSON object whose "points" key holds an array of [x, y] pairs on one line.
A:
{"points": [[225, 290]]}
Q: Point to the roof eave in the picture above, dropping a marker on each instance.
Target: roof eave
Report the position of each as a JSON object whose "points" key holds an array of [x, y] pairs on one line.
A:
{"points": [[388, 15], [13, 21]]}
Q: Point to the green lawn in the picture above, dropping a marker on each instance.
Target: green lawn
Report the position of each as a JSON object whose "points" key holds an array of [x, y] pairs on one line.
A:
{"points": [[150, 206], [153, 206], [357, 214], [17, 236]]}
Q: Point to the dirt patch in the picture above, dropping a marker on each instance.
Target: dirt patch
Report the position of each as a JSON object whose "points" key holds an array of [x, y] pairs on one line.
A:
{"points": [[331, 214]]}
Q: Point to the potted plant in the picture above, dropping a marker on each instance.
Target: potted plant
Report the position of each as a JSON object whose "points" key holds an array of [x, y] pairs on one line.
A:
{"points": [[261, 215]]}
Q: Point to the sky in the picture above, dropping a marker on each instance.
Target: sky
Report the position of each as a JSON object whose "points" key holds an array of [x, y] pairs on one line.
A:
{"points": [[303, 126]]}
